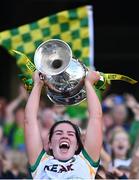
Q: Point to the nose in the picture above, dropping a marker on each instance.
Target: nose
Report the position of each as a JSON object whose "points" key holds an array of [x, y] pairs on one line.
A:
{"points": [[65, 135]]}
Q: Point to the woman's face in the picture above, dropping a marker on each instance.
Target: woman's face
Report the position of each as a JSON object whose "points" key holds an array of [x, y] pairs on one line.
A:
{"points": [[120, 144], [63, 142], [119, 114]]}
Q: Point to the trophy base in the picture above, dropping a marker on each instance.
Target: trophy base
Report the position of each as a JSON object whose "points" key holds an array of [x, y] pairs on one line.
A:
{"points": [[71, 100]]}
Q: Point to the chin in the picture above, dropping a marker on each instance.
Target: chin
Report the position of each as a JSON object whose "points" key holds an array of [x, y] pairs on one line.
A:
{"points": [[64, 157]]}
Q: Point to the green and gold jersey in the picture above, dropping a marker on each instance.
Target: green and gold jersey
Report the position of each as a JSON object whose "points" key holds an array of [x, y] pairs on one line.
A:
{"points": [[78, 167]]}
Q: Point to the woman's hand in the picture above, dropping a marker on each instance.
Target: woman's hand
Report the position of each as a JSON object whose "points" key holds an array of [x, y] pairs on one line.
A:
{"points": [[38, 78], [92, 76]]}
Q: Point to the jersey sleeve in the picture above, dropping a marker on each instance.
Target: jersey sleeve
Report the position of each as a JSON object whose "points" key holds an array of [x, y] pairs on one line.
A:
{"points": [[89, 159], [42, 155]]}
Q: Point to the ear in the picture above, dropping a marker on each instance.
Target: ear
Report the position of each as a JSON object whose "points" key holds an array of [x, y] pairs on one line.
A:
{"points": [[50, 145]]}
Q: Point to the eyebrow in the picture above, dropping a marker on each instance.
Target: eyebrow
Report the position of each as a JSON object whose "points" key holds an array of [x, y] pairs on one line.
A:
{"points": [[58, 131], [71, 132]]}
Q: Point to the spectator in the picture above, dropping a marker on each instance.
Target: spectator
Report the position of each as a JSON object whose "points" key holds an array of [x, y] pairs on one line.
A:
{"points": [[134, 106], [14, 127], [3, 104], [120, 147]]}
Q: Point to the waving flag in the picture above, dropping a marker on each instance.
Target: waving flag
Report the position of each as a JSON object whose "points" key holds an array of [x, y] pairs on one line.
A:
{"points": [[73, 26]]}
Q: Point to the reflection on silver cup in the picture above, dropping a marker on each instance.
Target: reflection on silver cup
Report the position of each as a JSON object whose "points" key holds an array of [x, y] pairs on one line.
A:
{"points": [[63, 74]]}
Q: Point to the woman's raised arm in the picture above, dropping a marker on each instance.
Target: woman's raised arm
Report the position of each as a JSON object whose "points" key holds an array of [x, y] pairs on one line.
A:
{"points": [[32, 131], [94, 133]]}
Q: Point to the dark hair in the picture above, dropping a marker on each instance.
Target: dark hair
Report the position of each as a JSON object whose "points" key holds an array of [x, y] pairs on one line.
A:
{"points": [[77, 133]]}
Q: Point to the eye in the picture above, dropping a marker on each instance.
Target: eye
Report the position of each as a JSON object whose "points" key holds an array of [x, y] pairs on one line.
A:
{"points": [[71, 134], [58, 133]]}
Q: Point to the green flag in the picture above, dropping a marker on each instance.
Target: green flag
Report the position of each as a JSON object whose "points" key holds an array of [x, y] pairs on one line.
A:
{"points": [[73, 26]]}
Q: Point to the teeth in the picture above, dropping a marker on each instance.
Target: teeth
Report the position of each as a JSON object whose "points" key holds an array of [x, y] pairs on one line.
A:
{"points": [[64, 144]]}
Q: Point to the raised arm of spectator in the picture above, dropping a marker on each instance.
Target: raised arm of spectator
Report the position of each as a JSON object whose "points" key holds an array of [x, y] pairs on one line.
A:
{"points": [[134, 167], [33, 139], [133, 104], [93, 139], [14, 104], [106, 158]]}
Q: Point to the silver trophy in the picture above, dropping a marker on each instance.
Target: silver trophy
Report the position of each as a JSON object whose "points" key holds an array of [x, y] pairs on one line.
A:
{"points": [[63, 74]]}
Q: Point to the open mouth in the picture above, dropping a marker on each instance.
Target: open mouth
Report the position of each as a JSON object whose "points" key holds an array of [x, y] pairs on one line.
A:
{"points": [[64, 145], [120, 147]]}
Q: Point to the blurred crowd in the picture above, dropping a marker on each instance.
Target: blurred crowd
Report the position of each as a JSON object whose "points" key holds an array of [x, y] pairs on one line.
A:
{"points": [[120, 153]]}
